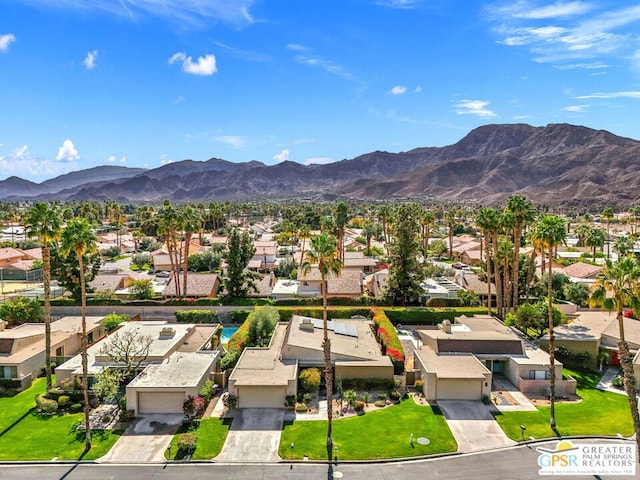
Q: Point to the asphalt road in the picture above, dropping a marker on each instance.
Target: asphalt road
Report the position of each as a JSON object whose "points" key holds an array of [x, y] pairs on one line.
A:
{"points": [[507, 464]]}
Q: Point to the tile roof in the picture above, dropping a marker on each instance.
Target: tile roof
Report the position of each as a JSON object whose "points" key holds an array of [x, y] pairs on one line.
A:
{"points": [[582, 270], [198, 285]]}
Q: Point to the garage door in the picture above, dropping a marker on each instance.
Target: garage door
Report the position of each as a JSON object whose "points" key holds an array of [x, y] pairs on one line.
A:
{"points": [[459, 389], [160, 402], [261, 397]]}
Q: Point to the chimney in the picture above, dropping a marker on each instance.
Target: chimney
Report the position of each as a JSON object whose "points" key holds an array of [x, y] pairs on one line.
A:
{"points": [[446, 326], [307, 325]]}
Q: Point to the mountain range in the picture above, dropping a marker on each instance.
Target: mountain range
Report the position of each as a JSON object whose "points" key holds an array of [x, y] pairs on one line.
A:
{"points": [[559, 164]]}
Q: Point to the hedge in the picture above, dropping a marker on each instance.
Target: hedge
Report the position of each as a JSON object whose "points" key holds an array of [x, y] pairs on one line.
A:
{"points": [[11, 383], [196, 316], [429, 316], [388, 338], [332, 301], [332, 312]]}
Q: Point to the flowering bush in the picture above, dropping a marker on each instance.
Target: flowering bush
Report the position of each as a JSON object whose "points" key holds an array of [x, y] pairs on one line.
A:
{"points": [[391, 345]]}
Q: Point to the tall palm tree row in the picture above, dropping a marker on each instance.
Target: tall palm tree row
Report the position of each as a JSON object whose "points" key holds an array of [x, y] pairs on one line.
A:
{"points": [[42, 221], [79, 239], [191, 219], [485, 220], [622, 279], [549, 232], [324, 254], [523, 215]]}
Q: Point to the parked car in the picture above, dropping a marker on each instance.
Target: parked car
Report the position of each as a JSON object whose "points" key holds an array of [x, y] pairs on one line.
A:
{"points": [[460, 266], [162, 274]]}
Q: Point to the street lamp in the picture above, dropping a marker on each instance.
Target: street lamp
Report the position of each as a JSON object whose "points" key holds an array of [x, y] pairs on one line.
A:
{"points": [[522, 429], [335, 454]]}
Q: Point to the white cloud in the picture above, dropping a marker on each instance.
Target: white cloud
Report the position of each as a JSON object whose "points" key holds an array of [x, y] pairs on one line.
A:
{"points": [[296, 47], [576, 108], [165, 161], [474, 107], [123, 159], [89, 61], [418, 89], [6, 40], [398, 3], [111, 159], [567, 32], [203, 66], [318, 161], [525, 10], [199, 13], [67, 152], [398, 90], [608, 95], [585, 66], [283, 156], [326, 65], [234, 141], [21, 162]]}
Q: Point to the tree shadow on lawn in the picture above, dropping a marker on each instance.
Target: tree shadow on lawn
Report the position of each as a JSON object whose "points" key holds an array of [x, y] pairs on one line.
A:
{"points": [[17, 421]]}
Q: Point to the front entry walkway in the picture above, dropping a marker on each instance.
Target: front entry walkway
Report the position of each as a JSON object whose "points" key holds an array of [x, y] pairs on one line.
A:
{"points": [[473, 426], [254, 436]]}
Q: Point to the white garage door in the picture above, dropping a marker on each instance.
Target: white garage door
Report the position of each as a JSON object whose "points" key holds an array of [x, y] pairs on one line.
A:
{"points": [[160, 402], [261, 397], [459, 389]]}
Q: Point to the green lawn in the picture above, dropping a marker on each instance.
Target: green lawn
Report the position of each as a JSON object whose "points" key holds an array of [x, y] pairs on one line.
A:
{"points": [[599, 413], [24, 435], [374, 435], [211, 432]]}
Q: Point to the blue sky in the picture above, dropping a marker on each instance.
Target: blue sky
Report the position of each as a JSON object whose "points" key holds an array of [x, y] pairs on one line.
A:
{"points": [[144, 82]]}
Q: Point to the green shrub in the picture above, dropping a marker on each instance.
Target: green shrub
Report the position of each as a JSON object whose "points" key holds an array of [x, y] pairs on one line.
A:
{"points": [[367, 383], [358, 406], [230, 401], [309, 379], [76, 407], [380, 403], [301, 408], [382, 396], [196, 316], [419, 385], [206, 391], [11, 383], [112, 320], [395, 395], [122, 403], [127, 415], [428, 316], [290, 400], [106, 418], [333, 312], [64, 401], [187, 442], [306, 398], [46, 406]]}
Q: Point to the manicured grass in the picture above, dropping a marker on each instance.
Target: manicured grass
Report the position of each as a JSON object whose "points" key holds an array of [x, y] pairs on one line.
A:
{"points": [[25, 435], [599, 413], [374, 435], [211, 432]]}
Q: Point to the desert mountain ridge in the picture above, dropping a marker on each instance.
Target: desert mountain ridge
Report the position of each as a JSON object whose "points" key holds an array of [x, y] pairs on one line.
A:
{"points": [[558, 164]]}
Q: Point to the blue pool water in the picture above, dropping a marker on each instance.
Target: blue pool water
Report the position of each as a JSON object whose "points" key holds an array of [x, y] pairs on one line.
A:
{"points": [[227, 333]]}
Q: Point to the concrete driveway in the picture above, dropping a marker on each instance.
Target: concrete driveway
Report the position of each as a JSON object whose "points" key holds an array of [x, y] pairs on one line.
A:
{"points": [[254, 436], [145, 440], [473, 426]]}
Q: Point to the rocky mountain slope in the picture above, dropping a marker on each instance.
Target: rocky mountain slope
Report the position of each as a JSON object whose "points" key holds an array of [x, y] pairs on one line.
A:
{"points": [[557, 164]]}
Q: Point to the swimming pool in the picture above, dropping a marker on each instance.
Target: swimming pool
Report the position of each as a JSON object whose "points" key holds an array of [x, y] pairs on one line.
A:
{"points": [[227, 333]]}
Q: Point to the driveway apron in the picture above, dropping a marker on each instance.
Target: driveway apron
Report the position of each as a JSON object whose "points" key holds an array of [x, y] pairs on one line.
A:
{"points": [[145, 440], [254, 436], [473, 426]]}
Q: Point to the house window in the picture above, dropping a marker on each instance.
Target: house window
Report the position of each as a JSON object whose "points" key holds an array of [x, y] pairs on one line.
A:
{"points": [[90, 337], [8, 371], [538, 375], [306, 284], [60, 351]]}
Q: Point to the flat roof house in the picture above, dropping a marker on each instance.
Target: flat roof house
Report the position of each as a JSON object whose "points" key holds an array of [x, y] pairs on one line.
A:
{"points": [[22, 349], [263, 377], [457, 361], [180, 359]]}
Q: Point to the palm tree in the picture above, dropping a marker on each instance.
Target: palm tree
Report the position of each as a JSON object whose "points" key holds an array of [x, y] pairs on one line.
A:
{"points": [[303, 233], [369, 230], [622, 278], [341, 219], [426, 221], [324, 254], [450, 218], [168, 226], [608, 215], [595, 238], [486, 220], [523, 214], [43, 221], [79, 239], [550, 232], [191, 219]]}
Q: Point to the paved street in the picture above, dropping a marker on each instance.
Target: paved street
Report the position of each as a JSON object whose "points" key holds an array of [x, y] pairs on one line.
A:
{"points": [[518, 462]]}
